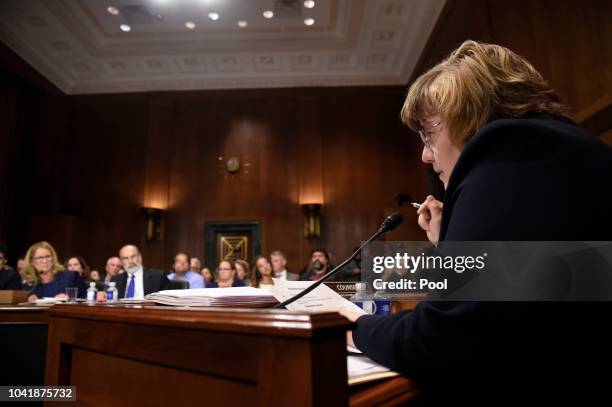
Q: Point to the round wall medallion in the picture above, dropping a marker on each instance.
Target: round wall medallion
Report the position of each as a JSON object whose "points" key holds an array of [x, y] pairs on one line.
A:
{"points": [[233, 165]]}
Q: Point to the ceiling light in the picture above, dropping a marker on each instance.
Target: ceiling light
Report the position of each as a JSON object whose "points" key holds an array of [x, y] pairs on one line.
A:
{"points": [[125, 27], [309, 21], [309, 4], [112, 10], [213, 16], [242, 23], [190, 24], [268, 14]]}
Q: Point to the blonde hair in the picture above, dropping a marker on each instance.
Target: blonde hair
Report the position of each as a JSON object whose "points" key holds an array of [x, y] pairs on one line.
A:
{"points": [[29, 272], [245, 266], [476, 84]]}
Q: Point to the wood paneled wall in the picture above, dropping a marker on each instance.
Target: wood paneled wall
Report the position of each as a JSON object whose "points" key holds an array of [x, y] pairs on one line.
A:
{"points": [[97, 160]]}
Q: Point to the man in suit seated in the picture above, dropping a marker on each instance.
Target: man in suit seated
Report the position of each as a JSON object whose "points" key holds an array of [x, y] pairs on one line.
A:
{"points": [[137, 281]]}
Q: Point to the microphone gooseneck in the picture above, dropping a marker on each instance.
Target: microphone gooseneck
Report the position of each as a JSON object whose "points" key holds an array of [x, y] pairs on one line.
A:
{"points": [[391, 222]]}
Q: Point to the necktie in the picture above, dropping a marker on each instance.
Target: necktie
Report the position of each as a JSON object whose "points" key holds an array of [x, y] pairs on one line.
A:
{"points": [[131, 286]]}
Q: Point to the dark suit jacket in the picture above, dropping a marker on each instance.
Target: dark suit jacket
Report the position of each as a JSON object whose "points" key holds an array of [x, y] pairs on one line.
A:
{"points": [[152, 281], [9, 279], [542, 178]]}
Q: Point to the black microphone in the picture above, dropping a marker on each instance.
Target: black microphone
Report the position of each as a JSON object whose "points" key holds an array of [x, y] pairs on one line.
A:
{"points": [[392, 221]]}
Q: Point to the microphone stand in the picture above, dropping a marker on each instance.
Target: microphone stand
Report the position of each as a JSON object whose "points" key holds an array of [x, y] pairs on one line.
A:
{"points": [[331, 273]]}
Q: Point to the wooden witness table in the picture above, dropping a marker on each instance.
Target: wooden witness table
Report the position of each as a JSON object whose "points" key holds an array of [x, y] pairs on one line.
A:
{"points": [[159, 356]]}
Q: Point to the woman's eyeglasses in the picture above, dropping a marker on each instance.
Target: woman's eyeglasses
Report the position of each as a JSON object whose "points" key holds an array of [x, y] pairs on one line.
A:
{"points": [[426, 135]]}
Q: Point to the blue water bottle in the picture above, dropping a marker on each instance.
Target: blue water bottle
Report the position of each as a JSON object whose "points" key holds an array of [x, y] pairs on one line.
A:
{"points": [[362, 299], [383, 303]]}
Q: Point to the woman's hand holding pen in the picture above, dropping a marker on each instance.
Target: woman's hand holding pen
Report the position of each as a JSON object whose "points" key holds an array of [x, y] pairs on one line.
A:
{"points": [[430, 218]]}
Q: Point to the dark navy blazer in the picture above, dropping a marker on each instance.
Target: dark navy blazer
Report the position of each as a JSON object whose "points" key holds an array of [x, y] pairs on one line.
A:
{"points": [[58, 285]]}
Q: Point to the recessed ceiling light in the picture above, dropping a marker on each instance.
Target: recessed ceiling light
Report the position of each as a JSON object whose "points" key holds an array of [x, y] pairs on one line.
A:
{"points": [[125, 27], [213, 16], [309, 3], [112, 10], [309, 21], [190, 24], [242, 23], [268, 14]]}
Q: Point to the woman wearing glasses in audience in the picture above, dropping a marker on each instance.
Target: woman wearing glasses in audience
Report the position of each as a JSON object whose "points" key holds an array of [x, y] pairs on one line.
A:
{"points": [[46, 274], [262, 274], [242, 271], [226, 276]]}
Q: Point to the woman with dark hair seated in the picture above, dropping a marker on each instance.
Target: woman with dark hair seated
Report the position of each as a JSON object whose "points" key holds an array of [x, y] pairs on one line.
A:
{"points": [[46, 275], [226, 276], [261, 277], [77, 263]]}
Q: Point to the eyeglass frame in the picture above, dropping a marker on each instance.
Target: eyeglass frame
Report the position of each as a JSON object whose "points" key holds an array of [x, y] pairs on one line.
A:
{"points": [[43, 258], [425, 137]]}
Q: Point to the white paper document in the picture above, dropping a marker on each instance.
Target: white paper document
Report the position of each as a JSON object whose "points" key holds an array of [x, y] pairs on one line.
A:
{"points": [[320, 298], [361, 369], [213, 297]]}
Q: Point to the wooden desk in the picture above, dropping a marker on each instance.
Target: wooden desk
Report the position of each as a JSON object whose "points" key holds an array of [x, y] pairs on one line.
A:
{"points": [[159, 356], [23, 314]]}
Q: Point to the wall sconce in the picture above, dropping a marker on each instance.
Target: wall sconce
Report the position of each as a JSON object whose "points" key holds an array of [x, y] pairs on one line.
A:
{"points": [[312, 221], [155, 224]]}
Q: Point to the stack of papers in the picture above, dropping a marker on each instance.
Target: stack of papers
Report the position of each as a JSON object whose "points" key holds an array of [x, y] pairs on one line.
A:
{"points": [[49, 301], [214, 297]]}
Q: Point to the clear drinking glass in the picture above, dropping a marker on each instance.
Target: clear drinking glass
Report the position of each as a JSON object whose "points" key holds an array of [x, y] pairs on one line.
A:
{"points": [[71, 294]]}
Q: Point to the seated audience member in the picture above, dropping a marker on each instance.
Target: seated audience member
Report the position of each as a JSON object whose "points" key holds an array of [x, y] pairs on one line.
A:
{"points": [[78, 264], [94, 275], [262, 274], [242, 271], [182, 271], [46, 274], [195, 264], [21, 268], [226, 275], [137, 281], [279, 266], [112, 269], [208, 276], [9, 278], [318, 267]]}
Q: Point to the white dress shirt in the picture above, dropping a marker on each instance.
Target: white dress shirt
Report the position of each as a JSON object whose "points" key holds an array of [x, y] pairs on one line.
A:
{"points": [[138, 284]]}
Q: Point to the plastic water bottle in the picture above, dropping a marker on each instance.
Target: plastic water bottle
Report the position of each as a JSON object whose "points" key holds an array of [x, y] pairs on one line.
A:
{"points": [[91, 292], [383, 303], [362, 299], [111, 292]]}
